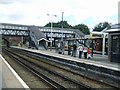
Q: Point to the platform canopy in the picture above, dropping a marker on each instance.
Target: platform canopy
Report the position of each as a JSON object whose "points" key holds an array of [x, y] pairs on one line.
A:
{"points": [[113, 30]]}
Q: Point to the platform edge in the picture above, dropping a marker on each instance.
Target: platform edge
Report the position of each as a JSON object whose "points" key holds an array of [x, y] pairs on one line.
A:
{"points": [[15, 74]]}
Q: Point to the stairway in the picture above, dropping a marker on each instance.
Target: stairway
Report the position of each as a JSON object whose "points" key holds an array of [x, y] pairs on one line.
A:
{"points": [[35, 35], [78, 33]]}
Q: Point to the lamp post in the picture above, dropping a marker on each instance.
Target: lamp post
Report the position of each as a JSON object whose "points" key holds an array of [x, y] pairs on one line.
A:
{"points": [[62, 26], [51, 29]]}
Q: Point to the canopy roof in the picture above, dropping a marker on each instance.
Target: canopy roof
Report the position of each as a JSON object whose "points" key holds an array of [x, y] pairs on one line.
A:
{"points": [[113, 30]]}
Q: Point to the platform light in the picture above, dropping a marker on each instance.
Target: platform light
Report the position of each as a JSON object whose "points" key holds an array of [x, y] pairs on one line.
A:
{"points": [[51, 29]]}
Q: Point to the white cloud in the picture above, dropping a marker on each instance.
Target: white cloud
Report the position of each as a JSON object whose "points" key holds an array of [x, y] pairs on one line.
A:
{"points": [[75, 11], [13, 1]]}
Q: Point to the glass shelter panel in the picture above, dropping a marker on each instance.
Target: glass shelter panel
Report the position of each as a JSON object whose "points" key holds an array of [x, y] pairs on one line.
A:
{"points": [[115, 48]]}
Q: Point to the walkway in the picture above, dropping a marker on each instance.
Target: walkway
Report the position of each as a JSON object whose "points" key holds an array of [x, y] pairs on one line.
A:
{"points": [[8, 77]]}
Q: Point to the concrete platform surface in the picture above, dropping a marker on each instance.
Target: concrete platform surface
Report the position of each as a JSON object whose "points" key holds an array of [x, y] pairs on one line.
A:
{"points": [[97, 60], [8, 77]]}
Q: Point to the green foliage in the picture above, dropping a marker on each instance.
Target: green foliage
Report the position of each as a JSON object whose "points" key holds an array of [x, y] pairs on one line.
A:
{"points": [[82, 27], [59, 24], [102, 26]]}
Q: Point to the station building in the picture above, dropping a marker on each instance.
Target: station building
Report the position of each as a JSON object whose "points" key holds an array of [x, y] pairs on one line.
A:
{"points": [[114, 43]]}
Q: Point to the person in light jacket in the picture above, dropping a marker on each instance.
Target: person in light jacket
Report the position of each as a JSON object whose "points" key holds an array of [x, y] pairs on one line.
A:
{"points": [[80, 51]]}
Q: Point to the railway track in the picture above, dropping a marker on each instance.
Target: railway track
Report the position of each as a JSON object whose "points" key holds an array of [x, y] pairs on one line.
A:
{"points": [[56, 70], [81, 76], [35, 68], [52, 84]]}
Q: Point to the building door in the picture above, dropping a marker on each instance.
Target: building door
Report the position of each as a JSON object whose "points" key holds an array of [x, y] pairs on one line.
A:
{"points": [[115, 48]]}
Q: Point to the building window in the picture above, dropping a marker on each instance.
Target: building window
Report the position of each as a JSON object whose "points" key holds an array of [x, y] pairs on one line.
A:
{"points": [[116, 44]]}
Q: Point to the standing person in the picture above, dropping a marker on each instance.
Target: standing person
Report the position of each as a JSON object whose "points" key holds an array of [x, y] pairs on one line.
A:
{"points": [[89, 53], [85, 52], [59, 49], [74, 50], [56, 47], [62, 47], [69, 50], [80, 51]]}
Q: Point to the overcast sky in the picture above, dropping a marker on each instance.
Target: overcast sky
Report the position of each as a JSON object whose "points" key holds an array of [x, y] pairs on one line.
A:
{"points": [[34, 12]]}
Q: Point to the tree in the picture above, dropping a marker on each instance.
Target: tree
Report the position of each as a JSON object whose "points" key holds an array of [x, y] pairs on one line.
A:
{"points": [[102, 26], [59, 24], [82, 27]]}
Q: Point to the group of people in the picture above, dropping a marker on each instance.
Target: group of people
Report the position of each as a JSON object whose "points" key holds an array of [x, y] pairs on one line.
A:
{"points": [[85, 50], [81, 50]]}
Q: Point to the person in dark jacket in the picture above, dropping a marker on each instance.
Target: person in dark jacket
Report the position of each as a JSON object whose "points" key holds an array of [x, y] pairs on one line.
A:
{"points": [[74, 50], [85, 52], [69, 49]]}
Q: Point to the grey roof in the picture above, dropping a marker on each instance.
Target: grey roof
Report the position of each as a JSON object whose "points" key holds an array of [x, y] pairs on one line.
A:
{"points": [[114, 28], [37, 32]]}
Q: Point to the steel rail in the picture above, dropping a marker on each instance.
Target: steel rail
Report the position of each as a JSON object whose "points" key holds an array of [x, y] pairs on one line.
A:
{"points": [[51, 82], [81, 85], [36, 56]]}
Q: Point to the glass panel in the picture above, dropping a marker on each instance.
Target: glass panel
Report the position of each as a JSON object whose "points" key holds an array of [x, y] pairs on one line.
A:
{"points": [[116, 44]]}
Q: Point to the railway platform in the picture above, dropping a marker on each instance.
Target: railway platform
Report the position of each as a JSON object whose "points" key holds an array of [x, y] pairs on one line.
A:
{"points": [[9, 78], [98, 65], [96, 60]]}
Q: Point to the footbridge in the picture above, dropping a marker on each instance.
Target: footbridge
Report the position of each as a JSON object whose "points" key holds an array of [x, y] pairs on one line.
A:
{"points": [[34, 35]]}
